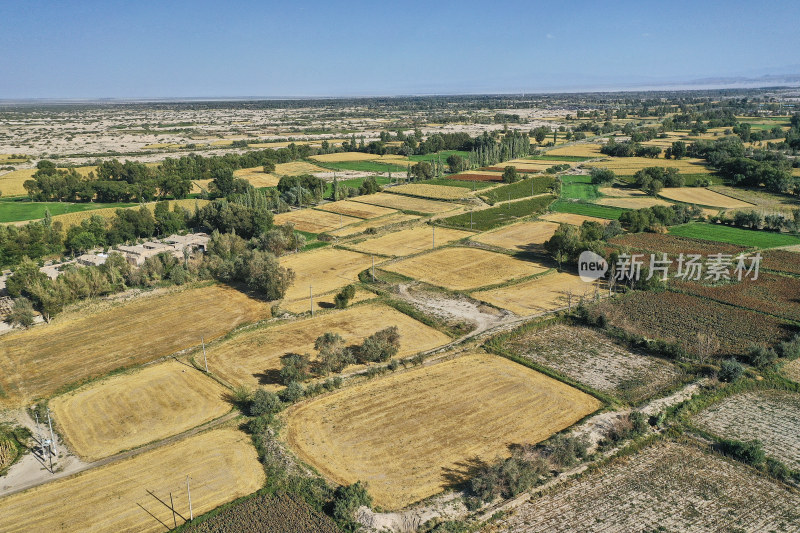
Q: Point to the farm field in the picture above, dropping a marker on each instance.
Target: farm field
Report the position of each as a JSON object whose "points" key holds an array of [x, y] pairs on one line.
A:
{"points": [[782, 261], [578, 188], [577, 150], [354, 183], [570, 218], [521, 189], [327, 270], [535, 296], [772, 417], [770, 293], [356, 209], [678, 318], [506, 213], [702, 196], [589, 210], [280, 513], [128, 410], [478, 175], [632, 203], [73, 219], [731, 235], [377, 223], [407, 433], [324, 302], [464, 268], [523, 237], [223, 466], [297, 168], [12, 210], [758, 198], [38, 362], [437, 192], [11, 183], [406, 203], [675, 245], [253, 357], [591, 358], [257, 177], [622, 192], [628, 166], [337, 157], [666, 487], [527, 165], [409, 241], [792, 370], [375, 165], [314, 220]]}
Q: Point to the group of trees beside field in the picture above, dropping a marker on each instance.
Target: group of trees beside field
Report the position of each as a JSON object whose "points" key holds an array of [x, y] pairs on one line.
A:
{"points": [[629, 149]]}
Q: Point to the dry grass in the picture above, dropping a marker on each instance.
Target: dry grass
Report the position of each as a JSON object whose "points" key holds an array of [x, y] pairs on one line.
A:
{"points": [[73, 219], [222, 464], [253, 358], [633, 202], [357, 209], [437, 192], [339, 157], [324, 302], [628, 166], [257, 177], [523, 237], [622, 192], [327, 270], [413, 434], [198, 186], [579, 150], [570, 218], [11, 183], [409, 241], [313, 220], [102, 337], [360, 227], [297, 168], [667, 487], [702, 196], [406, 203], [128, 410], [538, 295], [464, 268]]}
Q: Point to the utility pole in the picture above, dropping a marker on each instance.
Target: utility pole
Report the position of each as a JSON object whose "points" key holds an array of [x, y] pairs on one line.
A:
{"points": [[205, 359], [172, 505], [189, 492], [52, 436], [39, 434]]}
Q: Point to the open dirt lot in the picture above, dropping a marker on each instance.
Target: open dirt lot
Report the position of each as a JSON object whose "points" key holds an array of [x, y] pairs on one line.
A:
{"points": [[773, 417], [326, 270], [357, 209], [523, 237], [592, 358], [413, 434], [437, 192], [314, 220], [257, 177], [406, 203], [92, 342], [667, 487], [570, 218], [253, 358], [128, 410], [409, 241], [538, 295], [222, 464], [364, 225], [464, 268], [702, 196]]}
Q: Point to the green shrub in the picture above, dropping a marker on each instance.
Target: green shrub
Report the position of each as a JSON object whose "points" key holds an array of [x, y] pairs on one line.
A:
{"points": [[749, 452], [265, 402], [730, 370], [346, 501]]}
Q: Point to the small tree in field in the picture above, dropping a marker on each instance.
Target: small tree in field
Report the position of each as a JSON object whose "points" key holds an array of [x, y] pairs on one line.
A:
{"points": [[510, 175], [380, 346], [342, 299]]}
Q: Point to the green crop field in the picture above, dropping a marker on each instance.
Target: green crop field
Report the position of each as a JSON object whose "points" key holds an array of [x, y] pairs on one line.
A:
{"points": [[459, 183], [578, 188], [589, 210], [742, 237], [497, 216], [17, 210], [362, 166], [355, 182], [521, 189]]}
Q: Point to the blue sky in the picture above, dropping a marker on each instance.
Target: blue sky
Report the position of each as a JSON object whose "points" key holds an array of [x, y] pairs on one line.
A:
{"points": [[94, 49]]}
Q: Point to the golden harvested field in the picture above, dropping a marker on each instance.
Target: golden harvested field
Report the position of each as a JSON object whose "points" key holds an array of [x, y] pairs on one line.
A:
{"points": [[523, 236], [37, 362], [199, 186], [702, 196], [129, 410], [409, 241], [257, 177], [579, 150], [529, 165], [11, 182], [357, 209], [538, 295], [464, 268], [313, 220], [406, 203], [339, 157], [437, 192], [360, 227], [327, 270], [408, 435], [253, 357], [324, 302], [622, 192], [632, 202], [628, 166], [394, 159], [297, 168], [73, 219], [223, 466], [570, 218]]}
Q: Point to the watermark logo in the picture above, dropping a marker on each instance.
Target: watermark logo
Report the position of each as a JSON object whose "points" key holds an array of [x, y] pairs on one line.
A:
{"points": [[591, 266]]}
